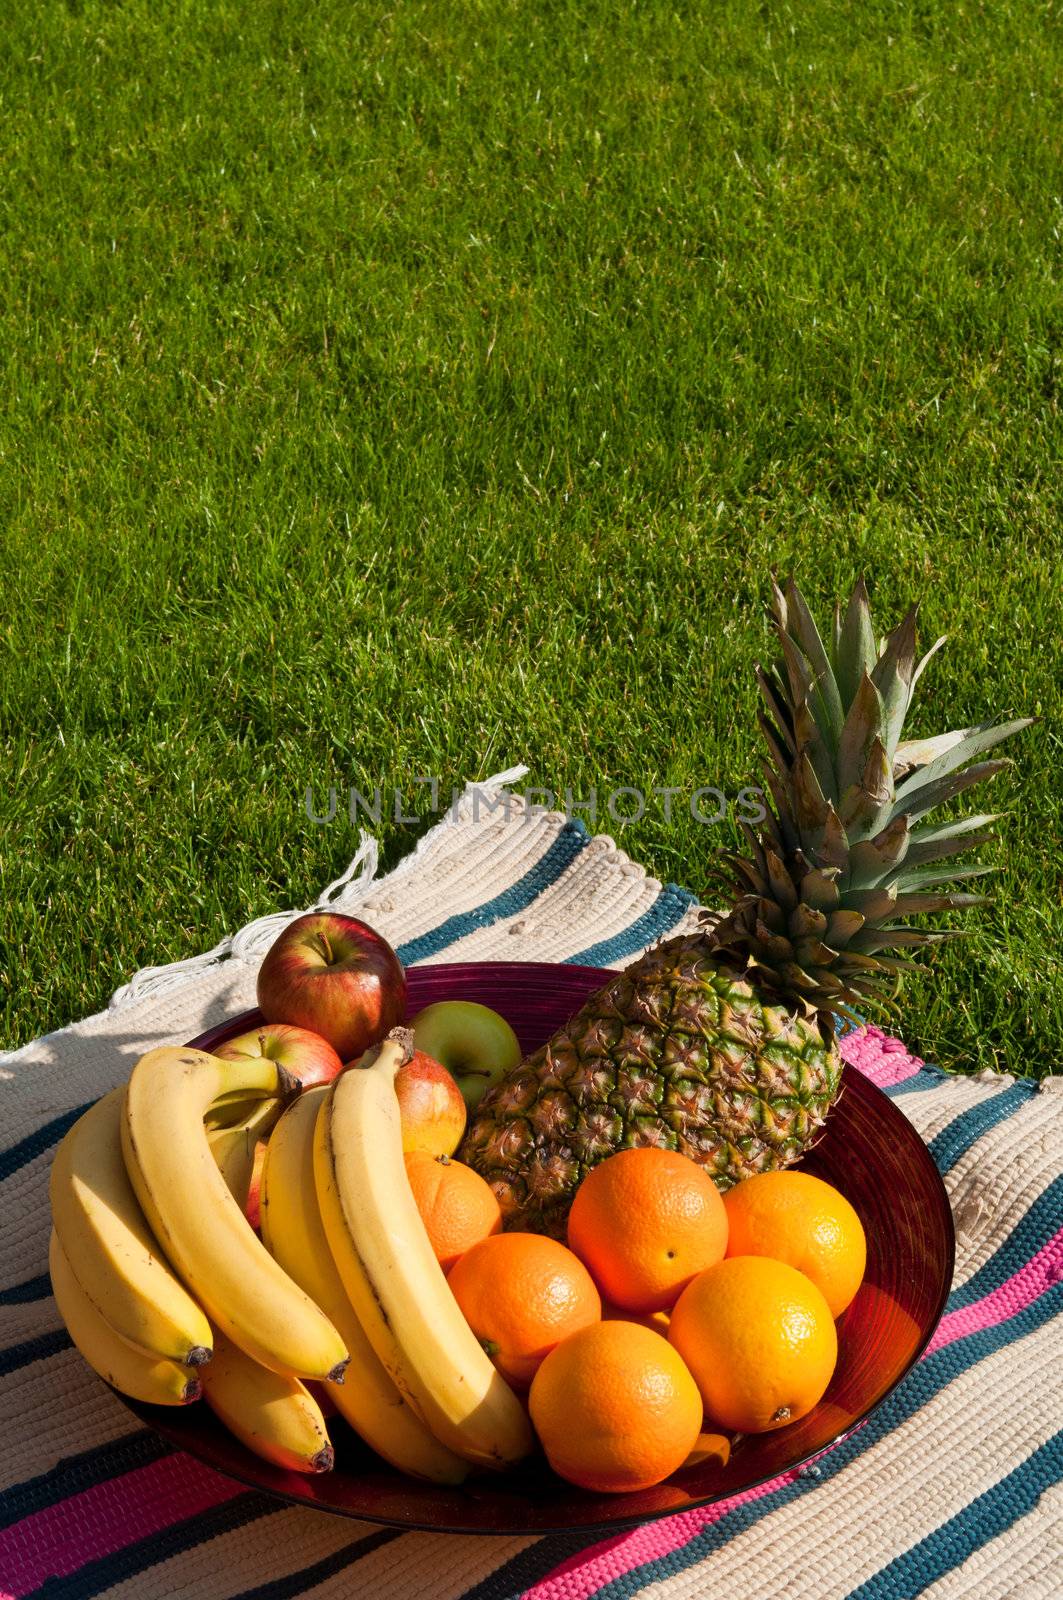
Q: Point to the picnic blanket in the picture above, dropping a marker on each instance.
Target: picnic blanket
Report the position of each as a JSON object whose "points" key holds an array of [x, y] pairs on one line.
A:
{"points": [[953, 1488]]}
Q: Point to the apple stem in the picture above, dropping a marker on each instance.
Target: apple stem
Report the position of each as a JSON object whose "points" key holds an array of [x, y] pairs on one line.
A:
{"points": [[326, 946]]}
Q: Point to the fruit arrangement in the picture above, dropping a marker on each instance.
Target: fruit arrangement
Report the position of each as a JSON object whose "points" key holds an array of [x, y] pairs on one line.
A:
{"points": [[600, 1252]]}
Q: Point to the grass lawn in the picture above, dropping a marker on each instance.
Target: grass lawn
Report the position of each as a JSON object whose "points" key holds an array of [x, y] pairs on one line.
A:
{"points": [[423, 390]]}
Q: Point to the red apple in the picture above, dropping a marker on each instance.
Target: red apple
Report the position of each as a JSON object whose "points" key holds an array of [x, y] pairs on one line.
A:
{"points": [[430, 1105], [307, 1056], [252, 1205], [336, 976]]}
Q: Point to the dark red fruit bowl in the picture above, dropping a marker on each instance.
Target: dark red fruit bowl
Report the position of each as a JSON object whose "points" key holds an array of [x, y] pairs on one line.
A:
{"points": [[869, 1151]]}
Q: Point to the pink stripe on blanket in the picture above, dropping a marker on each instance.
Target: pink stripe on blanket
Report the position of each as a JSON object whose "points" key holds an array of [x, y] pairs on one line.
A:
{"points": [[582, 1575], [1020, 1290], [879, 1056], [105, 1518]]}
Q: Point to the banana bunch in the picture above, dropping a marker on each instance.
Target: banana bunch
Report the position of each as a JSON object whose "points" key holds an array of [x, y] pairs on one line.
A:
{"points": [[199, 1225], [157, 1273], [169, 1293], [293, 1231], [391, 1276]]}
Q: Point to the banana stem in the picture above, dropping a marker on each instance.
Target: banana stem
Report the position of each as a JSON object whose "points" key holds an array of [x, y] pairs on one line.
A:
{"points": [[390, 1054]]}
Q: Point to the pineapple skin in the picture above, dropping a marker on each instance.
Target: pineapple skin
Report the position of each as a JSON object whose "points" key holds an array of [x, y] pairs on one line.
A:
{"points": [[678, 1051]]}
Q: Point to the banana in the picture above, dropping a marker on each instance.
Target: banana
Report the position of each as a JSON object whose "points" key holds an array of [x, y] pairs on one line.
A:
{"points": [[391, 1275], [229, 1110], [140, 1376], [293, 1232], [234, 1149], [120, 1267], [198, 1223], [275, 1416]]}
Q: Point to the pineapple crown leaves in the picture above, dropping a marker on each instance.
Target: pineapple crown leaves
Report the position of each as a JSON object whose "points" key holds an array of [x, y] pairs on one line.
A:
{"points": [[819, 898]]}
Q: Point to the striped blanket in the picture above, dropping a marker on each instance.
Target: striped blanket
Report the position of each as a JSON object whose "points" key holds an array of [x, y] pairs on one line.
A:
{"points": [[952, 1489]]}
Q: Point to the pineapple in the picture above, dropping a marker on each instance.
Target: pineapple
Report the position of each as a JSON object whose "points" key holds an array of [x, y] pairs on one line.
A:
{"points": [[721, 1043]]}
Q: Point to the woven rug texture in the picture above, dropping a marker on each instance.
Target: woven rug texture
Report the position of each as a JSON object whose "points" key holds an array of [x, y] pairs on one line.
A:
{"points": [[954, 1488]]}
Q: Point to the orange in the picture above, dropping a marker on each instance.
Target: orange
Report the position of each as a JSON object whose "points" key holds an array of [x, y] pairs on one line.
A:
{"points": [[645, 1221], [759, 1339], [457, 1207], [794, 1217], [521, 1294], [615, 1408]]}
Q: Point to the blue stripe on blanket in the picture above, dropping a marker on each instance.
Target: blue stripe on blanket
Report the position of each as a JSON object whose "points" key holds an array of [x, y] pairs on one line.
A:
{"points": [[570, 841], [36, 1349], [296, 1583], [24, 1294], [988, 1515], [670, 907], [36, 1143], [76, 1473], [925, 1078], [963, 1131]]}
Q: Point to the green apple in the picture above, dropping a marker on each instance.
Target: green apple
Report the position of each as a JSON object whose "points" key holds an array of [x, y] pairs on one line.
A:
{"points": [[475, 1044]]}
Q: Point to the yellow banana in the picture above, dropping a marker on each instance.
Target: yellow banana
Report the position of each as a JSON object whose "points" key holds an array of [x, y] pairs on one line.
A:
{"points": [[140, 1376], [230, 1110], [275, 1416], [391, 1275], [234, 1148], [198, 1223], [293, 1232], [101, 1227]]}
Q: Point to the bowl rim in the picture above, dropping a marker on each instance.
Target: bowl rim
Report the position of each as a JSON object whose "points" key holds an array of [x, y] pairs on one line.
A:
{"points": [[159, 1419]]}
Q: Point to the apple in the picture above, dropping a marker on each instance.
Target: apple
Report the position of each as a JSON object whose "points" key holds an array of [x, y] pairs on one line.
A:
{"points": [[253, 1203], [336, 976], [475, 1044], [307, 1056], [430, 1105], [239, 1152]]}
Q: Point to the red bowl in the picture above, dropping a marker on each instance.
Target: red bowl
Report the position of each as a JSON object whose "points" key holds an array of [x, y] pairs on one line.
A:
{"points": [[869, 1151]]}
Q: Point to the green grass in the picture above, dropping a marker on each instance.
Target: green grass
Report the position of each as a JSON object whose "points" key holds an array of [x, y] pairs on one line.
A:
{"points": [[423, 391]]}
